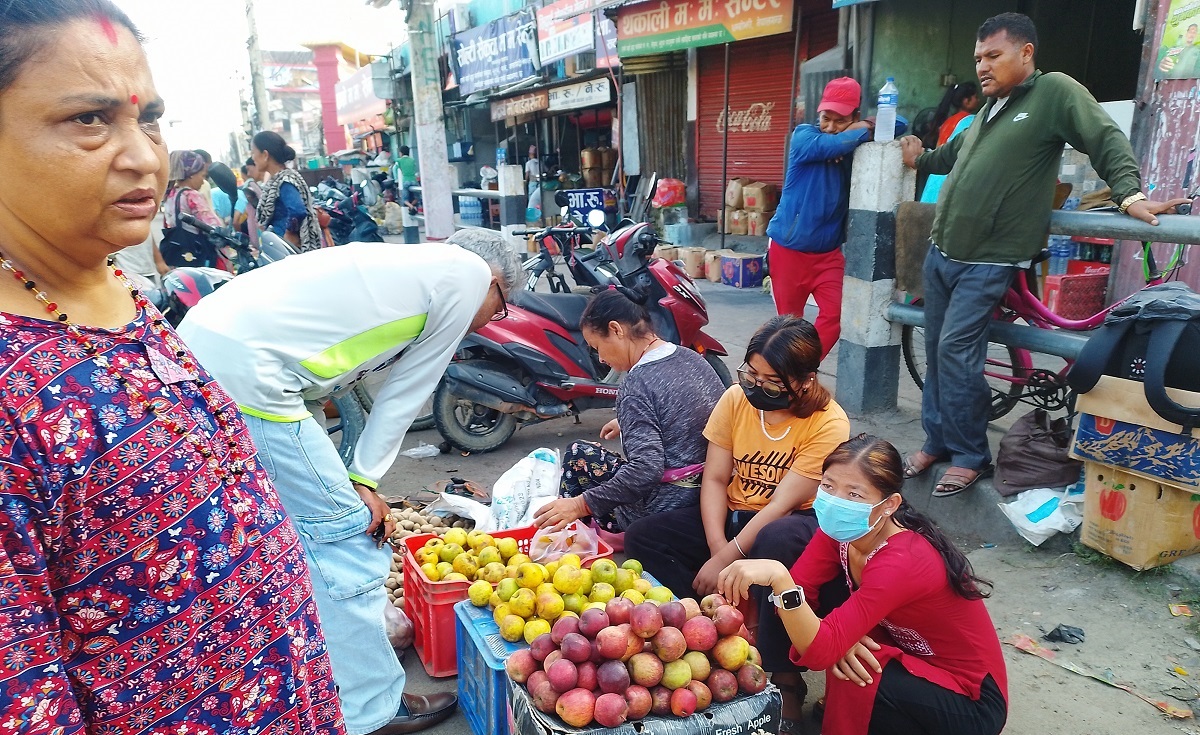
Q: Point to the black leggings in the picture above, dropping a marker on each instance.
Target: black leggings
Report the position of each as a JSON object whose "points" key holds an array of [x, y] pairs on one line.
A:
{"points": [[909, 705]]}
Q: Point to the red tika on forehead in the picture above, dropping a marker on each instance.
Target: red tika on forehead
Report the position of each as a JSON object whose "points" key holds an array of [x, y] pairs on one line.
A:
{"points": [[106, 26], [133, 99]]}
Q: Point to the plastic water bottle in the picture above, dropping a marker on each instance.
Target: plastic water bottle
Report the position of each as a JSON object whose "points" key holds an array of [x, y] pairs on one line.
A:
{"points": [[1060, 253], [885, 116]]}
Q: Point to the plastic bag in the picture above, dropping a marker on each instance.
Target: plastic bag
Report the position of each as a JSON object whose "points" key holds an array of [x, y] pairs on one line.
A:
{"points": [[422, 451], [398, 627], [1042, 512], [669, 193], [525, 487], [576, 538]]}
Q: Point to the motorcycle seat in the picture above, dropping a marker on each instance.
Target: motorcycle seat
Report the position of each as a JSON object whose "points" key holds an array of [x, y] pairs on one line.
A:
{"points": [[564, 309]]}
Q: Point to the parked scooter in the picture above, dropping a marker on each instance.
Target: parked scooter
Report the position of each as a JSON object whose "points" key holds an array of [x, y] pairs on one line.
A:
{"points": [[348, 220], [184, 287], [535, 365]]}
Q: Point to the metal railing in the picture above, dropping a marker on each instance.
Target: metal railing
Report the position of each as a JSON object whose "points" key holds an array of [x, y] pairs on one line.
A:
{"points": [[1171, 228]]}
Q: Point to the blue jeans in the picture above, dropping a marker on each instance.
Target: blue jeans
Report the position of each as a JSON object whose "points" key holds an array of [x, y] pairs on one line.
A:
{"points": [[348, 571], [960, 299]]}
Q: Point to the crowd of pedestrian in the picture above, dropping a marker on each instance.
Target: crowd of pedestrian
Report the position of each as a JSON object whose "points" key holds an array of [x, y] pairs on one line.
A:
{"points": [[184, 550]]}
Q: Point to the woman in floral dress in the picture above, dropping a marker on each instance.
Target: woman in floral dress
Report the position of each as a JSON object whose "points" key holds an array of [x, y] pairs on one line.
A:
{"points": [[150, 581]]}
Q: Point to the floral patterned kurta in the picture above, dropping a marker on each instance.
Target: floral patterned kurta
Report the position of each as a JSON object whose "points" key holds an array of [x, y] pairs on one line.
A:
{"points": [[140, 593]]}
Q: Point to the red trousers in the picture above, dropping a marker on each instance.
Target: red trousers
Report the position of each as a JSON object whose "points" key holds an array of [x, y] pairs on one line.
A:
{"points": [[796, 275]]}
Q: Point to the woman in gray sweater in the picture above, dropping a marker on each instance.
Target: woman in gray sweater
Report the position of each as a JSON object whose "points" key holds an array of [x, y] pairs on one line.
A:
{"points": [[662, 407]]}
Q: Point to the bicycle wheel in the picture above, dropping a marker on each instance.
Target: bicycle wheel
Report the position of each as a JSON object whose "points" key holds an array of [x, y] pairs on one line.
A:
{"points": [[1003, 374]]}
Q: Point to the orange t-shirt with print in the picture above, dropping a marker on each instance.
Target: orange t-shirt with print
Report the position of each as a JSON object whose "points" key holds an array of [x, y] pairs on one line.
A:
{"points": [[760, 461]]}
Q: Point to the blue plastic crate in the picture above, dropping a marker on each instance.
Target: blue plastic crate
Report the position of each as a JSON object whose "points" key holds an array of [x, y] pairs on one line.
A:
{"points": [[482, 680]]}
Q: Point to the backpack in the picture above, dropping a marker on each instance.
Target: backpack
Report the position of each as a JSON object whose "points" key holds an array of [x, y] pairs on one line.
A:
{"points": [[180, 248], [1153, 338]]}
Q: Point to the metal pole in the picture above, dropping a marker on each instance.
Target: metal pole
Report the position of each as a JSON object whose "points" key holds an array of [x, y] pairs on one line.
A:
{"points": [[429, 121], [792, 104], [537, 143], [725, 146], [258, 85]]}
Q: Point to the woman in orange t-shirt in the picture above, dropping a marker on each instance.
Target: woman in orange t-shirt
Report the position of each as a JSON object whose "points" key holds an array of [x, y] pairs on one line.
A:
{"points": [[767, 440]]}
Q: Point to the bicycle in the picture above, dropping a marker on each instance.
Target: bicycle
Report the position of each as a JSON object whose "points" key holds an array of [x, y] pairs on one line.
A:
{"points": [[1010, 371]]}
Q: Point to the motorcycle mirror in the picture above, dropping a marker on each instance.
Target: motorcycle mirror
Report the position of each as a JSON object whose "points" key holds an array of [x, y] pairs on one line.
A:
{"points": [[646, 238], [596, 218], [561, 198]]}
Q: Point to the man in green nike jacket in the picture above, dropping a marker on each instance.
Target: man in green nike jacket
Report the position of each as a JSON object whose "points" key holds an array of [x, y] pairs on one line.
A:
{"points": [[992, 219]]}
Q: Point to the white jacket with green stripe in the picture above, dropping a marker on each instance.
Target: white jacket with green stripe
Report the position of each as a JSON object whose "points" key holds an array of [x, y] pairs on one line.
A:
{"points": [[284, 338]]}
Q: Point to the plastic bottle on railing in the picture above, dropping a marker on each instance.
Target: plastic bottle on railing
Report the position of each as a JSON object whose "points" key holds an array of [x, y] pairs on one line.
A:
{"points": [[1060, 253], [885, 116]]}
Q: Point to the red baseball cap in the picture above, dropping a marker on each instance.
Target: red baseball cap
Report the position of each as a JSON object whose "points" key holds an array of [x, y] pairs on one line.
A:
{"points": [[842, 95]]}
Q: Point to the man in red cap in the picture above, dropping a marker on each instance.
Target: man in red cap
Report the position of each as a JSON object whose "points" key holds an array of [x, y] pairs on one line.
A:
{"points": [[809, 225]]}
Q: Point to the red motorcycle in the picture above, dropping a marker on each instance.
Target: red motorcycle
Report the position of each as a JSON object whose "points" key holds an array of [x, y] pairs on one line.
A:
{"points": [[535, 365]]}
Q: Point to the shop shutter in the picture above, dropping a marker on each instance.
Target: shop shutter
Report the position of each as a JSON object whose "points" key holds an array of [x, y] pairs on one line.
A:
{"points": [[662, 109], [760, 83]]}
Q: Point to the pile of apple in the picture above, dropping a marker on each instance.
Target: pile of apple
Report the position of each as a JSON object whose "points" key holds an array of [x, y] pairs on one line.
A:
{"points": [[628, 661]]}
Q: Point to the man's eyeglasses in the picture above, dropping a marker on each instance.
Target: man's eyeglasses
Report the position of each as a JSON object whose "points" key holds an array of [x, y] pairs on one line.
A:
{"points": [[748, 380], [503, 311]]}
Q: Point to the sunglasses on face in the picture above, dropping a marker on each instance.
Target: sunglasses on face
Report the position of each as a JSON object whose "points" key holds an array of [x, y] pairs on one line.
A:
{"points": [[749, 380], [502, 313]]}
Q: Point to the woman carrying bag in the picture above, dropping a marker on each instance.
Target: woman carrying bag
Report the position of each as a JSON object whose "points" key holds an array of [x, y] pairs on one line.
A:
{"points": [[183, 244], [286, 205]]}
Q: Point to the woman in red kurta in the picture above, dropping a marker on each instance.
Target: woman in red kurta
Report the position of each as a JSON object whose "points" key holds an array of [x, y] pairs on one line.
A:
{"points": [[913, 650]]}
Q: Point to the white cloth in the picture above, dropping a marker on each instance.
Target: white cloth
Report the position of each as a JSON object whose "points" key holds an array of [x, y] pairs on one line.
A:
{"points": [[284, 338], [663, 351], [997, 106]]}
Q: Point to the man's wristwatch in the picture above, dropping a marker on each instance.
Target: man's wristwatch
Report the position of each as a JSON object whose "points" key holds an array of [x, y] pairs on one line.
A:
{"points": [[789, 599], [1134, 197]]}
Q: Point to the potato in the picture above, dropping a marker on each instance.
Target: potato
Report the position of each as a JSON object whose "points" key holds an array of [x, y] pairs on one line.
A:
{"points": [[426, 528]]}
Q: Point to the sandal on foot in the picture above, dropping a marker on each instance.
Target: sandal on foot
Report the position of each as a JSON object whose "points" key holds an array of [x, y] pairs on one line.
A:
{"points": [[789, 727], [958, 479], [918, 463], [818, 710]]}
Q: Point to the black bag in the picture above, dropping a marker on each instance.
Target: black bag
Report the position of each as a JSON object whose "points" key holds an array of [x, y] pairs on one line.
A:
{"points": [[1153, 338], [180, 248], [1034, 454]]}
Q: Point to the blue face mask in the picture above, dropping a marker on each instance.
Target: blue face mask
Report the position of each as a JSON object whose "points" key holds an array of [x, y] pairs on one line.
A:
{"points": [[844, 520]]}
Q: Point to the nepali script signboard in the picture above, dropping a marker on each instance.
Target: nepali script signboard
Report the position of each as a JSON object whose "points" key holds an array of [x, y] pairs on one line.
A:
{"points": [[582, 94], [501, 52], [526, 104], [565, 28], [660, 26]]}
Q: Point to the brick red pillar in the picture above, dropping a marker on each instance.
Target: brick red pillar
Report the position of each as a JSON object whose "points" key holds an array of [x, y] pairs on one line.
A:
{"points": [[326, 58]]}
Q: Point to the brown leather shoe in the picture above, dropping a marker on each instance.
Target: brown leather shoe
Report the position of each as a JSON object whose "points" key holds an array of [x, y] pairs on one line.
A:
{"points": [[424, 710]]}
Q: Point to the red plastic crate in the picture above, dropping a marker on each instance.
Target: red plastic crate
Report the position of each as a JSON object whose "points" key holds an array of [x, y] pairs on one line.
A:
{"points": [[430, 605]]}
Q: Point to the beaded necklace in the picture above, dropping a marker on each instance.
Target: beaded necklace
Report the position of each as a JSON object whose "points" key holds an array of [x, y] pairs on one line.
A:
{"points": [[201, 442]]}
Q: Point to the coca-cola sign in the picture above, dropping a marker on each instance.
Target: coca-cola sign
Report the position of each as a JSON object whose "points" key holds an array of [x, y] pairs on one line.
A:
{"points": [[754, 119]]}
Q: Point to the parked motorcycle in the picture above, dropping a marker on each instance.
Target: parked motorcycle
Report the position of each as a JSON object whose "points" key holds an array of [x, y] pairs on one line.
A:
{"points": [[348, 220], [184, 287], [535, 365]]}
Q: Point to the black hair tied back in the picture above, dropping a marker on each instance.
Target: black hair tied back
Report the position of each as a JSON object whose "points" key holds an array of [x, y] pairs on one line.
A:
{"points": [[619, 304]]}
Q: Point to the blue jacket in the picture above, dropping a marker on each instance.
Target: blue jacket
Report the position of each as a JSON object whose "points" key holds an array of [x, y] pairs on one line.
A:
{"points": [[811, 216]]}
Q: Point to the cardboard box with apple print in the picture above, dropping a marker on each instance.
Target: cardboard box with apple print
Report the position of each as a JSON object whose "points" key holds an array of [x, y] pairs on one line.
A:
{"points": [[1138, 521], [1118, 427]]}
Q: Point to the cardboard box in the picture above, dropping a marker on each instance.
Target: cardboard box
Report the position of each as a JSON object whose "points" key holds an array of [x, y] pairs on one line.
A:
{"points": [[756, 223], [666, 252], [712, 264], [693, 261], [760, 197], [1136, 521], [1087, 268], [1075, 296], [745, 715], [742, 270], [735, 222], [1117, 427], [733, 192]]}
